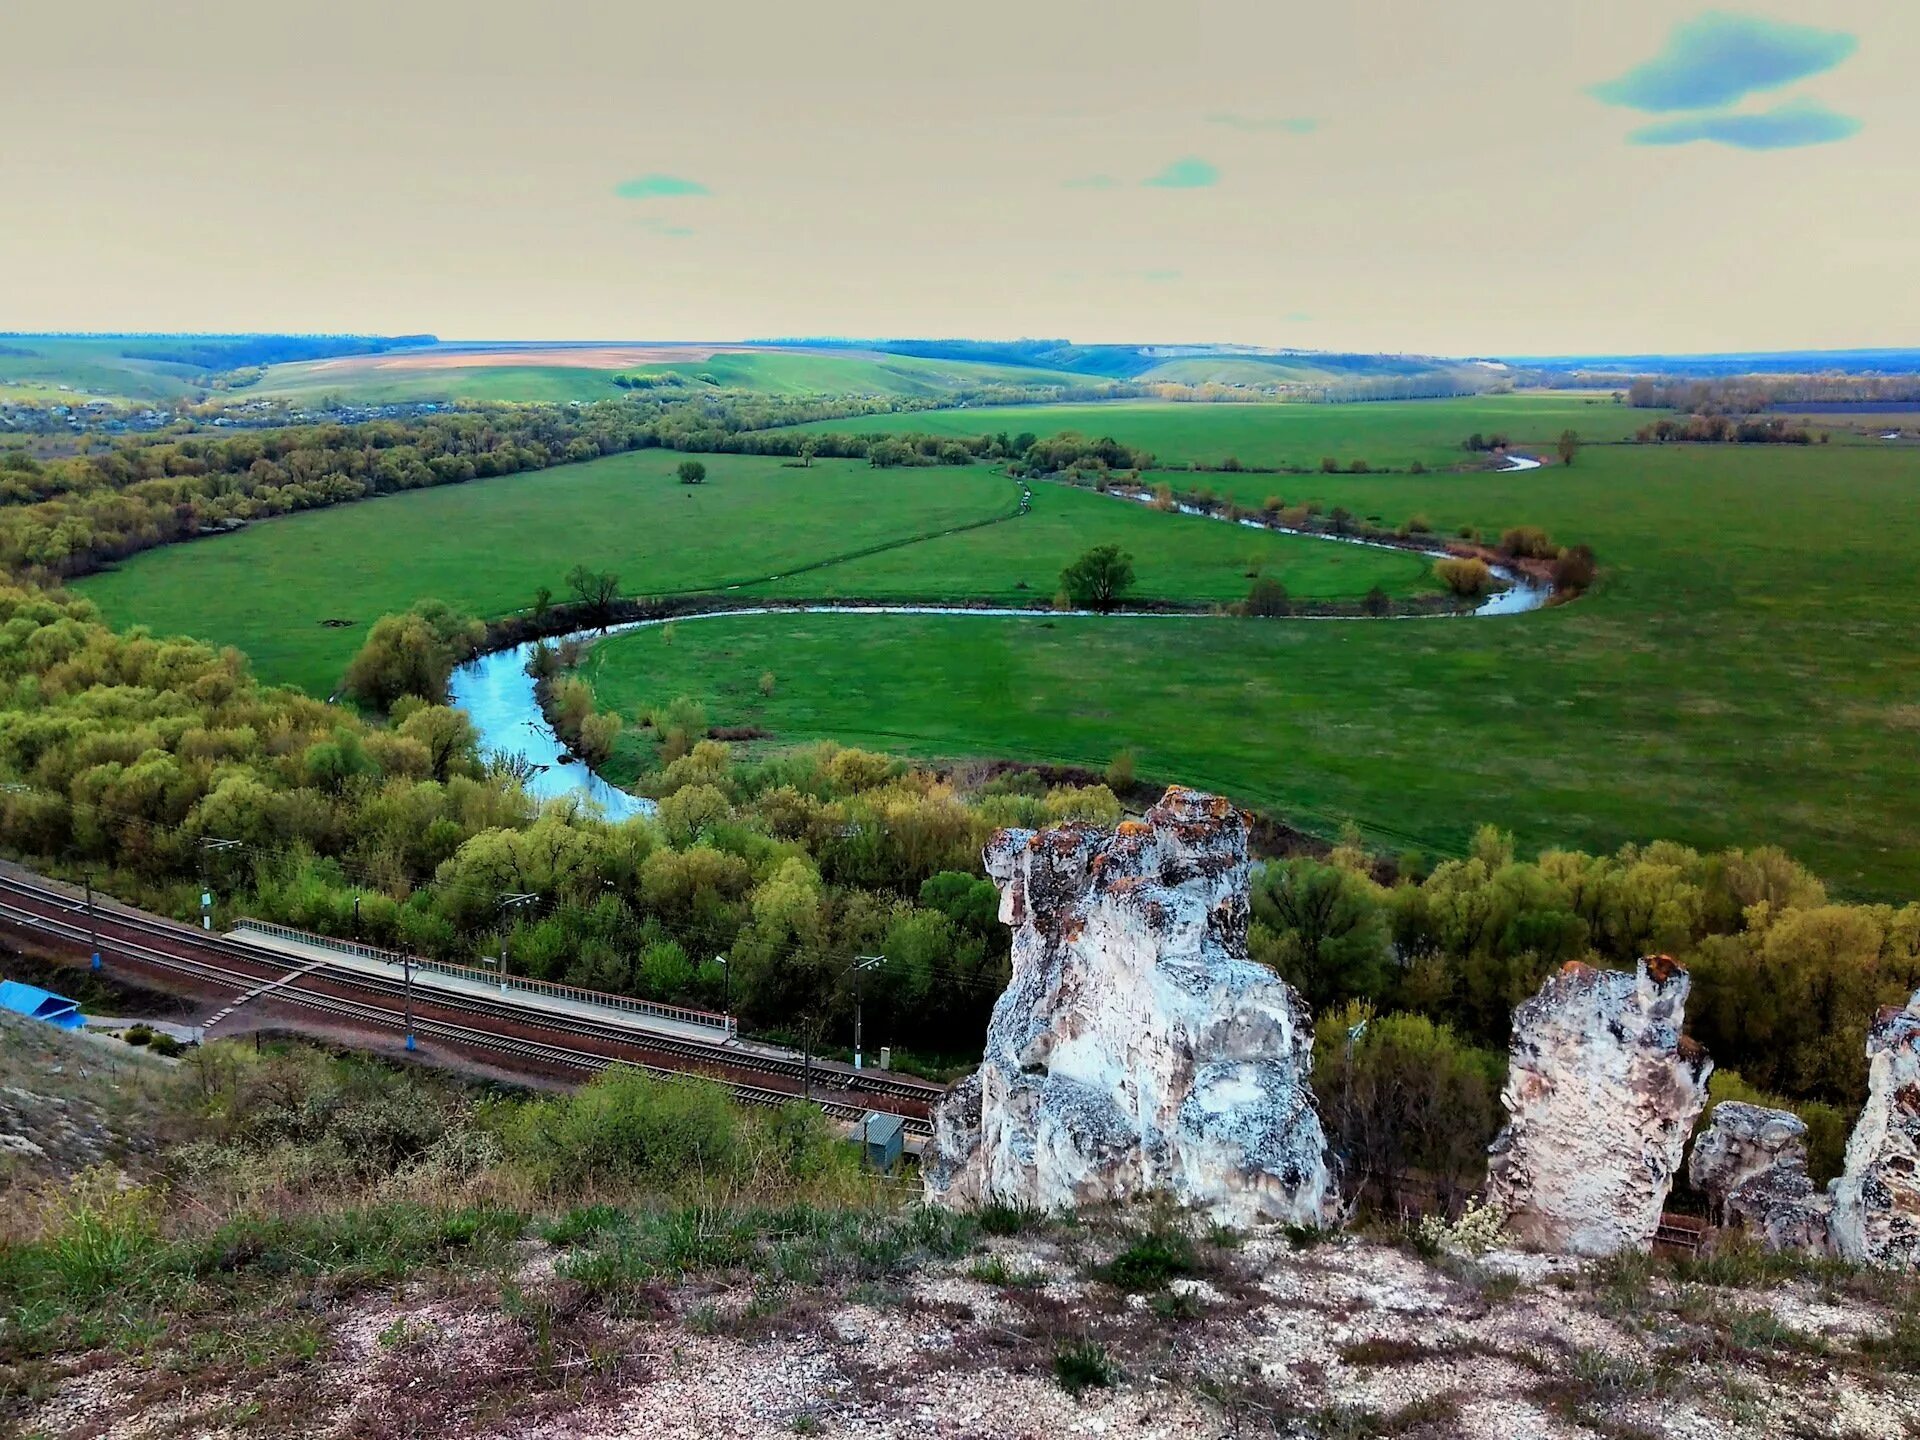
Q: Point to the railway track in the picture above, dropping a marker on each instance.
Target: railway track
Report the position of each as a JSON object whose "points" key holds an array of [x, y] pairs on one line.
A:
{"points": [[516, 1033], [876, 1082]]}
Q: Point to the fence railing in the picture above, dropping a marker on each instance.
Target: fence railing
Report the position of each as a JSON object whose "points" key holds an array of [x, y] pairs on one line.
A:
{"points": [[573, 994]]}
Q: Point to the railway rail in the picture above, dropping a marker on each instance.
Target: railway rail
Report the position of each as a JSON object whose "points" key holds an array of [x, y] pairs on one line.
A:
{"points": [[496, 1029]]}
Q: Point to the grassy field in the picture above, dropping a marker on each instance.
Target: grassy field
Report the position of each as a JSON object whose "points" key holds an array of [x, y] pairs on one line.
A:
{"points": [[1267, 370], [1387, 433], [487, 545], [33, 367], [1175, 557], [310, 381], [39, 392], [436, 374], [1745, 674]]}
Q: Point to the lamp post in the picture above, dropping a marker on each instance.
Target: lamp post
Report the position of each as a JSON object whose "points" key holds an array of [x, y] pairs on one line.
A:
{"points": [[93, 928], [511, 902], [209, 845], [861, 963], [406, 968], [726, 983]]}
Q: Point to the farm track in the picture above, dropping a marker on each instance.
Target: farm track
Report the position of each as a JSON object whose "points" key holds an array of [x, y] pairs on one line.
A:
{"points": [[514, 1035]]}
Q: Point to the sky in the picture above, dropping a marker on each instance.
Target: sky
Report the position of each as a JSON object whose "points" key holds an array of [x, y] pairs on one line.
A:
{"points": [[1477, 177]]}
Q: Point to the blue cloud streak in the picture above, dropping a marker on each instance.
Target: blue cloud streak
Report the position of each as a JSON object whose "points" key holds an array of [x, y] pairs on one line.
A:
{"points": [[1721, 58], [1187, 173], [656, 187], [1785, 127]]}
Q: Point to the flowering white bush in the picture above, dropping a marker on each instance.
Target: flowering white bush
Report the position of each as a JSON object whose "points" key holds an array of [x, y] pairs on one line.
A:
{"points": [[1479, 1229]]}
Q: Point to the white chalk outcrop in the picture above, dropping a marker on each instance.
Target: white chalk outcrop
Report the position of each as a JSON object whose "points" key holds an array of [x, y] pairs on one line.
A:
{"points": [[1602, 1091], [1876, 1201], [1751, 1164], [1136, 1050]]}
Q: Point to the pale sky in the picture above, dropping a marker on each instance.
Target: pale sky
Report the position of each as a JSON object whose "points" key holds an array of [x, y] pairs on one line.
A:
{"points": [[1467, 177]]}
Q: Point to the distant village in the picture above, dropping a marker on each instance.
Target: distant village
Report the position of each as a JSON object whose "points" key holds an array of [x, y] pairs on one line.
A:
{"points": [[85, 416]]}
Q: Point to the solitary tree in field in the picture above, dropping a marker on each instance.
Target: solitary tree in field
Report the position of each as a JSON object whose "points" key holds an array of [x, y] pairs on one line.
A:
{"points": [[808, 448], [1268, 597], [692, 472], [596, 590], [1569, 446], [1098, 579]]}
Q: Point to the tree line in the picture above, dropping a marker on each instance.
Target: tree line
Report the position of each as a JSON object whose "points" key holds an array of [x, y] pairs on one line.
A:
{"points": [[1724, 430], [1747, 394]]}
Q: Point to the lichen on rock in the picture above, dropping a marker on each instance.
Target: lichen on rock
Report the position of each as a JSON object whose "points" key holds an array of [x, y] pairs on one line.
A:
{"points": [[1602, 1091], [1136, 1050], [1876, 1201], [1751, 1164]]}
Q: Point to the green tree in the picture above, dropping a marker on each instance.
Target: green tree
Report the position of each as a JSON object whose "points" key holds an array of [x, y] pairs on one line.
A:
{"points": [[1098, 579], [413, 654], [692, 472], [968, 901], [690, 810], [595, 590], [1465, 576], [1787, 1002], [1568, 445], [1322, 928], [451, 742], [1574, 570], [1268, 598], [1404, 1099], [599, 731]]}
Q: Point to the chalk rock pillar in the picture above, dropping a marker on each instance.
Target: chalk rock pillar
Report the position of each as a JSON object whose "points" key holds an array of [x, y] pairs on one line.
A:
{"points": [[1751, 1163], [1136, 1050], [1602, 1090], [1876, 1201]]}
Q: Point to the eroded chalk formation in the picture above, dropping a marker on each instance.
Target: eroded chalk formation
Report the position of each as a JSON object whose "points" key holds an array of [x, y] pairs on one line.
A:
{"points": [[1876, 1201], [1136, 1050], [1751, 1164], [1602, 1091]]}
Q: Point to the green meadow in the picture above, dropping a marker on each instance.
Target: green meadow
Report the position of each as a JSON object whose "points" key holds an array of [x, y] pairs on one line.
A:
{"points": [[434, 374], [1745, 672], [35, 367], [1175, 557], [312, 381], [486, 546], [1387, 434]]}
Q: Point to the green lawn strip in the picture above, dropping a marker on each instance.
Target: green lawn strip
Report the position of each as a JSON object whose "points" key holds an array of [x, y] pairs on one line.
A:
{"points": [[1744, 674], [1386, 434]]}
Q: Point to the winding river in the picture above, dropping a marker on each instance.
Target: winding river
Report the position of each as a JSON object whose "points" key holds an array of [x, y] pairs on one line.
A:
{"points": [[497, 692]]}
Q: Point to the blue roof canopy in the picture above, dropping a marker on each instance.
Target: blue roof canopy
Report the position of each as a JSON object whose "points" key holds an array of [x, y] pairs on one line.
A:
{"points": [[38, 1004]]}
